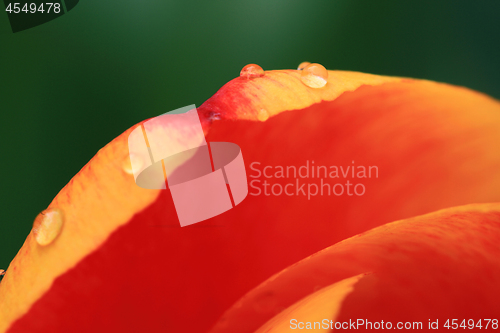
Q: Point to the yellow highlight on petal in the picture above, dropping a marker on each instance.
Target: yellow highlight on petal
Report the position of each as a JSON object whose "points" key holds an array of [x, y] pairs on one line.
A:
{"points": [[323, 304]]}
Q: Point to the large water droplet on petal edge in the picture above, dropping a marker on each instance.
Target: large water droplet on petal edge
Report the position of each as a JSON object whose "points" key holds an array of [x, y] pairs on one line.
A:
{"points": [[314, 76], [47, 226]]}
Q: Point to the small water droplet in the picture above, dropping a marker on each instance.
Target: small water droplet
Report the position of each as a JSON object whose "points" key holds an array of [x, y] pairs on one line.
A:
{"points": [[314, 76], [251, 71], [263, 115], [302, 65], [47, 226], [134, 159], [2, 273], [213, 116]]}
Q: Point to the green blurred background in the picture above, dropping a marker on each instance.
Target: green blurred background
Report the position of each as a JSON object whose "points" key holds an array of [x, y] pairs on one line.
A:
{"points": [[71, 85]]}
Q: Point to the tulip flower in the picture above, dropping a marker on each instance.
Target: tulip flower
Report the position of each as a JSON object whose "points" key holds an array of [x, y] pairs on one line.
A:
{"points": [[370, 197]]}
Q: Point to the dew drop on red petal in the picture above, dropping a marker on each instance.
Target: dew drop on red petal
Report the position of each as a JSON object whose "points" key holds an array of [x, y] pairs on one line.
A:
{"points": [[251, 71]]}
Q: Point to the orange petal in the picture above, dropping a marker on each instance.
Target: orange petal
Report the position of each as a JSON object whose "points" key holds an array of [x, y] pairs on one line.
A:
{"points": [[322, 304], [439, 266]]}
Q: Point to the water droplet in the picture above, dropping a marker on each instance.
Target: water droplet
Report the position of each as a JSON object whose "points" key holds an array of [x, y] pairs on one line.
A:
{"points": [[263, 115], [302, 65], [314, 76], [134, 159], [213, 116], [2, 273], [47, 226], [251, 71]]}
